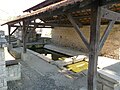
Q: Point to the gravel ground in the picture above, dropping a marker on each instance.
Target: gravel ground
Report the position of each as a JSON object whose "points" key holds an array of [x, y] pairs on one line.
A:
{"points": [[32, 80]]}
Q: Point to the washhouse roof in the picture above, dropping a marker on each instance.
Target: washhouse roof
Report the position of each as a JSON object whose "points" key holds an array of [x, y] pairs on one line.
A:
{"points": [[56, 12], [41, 5]]}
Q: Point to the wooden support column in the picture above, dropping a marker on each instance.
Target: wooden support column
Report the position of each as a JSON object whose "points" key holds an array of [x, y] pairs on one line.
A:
{"points": [[24, 37], [94, 45], [9, 29]]}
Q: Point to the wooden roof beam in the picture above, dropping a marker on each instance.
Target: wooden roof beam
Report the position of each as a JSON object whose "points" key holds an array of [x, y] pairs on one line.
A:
{"points": [[64, 19], [52, 24]]}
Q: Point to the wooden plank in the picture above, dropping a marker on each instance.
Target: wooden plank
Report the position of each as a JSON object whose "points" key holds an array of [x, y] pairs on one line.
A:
{"points": [[24, 37], [110, 15], [94, 45], [106, 33], [78, 30], [9, 29], [14, 30]]}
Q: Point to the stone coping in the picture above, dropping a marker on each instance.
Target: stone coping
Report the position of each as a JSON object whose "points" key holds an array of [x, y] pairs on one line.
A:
{"points": [[40, 56], [109, 76], [11, 62], [63, 50]]}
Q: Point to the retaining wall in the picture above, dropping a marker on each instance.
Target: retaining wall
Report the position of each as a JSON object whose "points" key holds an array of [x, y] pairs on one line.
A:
{"points": [[68, 37], [3, 82]]}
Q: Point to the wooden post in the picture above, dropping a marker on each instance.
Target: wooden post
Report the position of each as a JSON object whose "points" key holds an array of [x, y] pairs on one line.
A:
{"points": [[9, 29], [24, 37], [94, 45]]}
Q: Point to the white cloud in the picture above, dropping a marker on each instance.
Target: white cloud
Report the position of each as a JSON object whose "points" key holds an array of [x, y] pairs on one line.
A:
{"points": [[15, 7], [10, 8]]}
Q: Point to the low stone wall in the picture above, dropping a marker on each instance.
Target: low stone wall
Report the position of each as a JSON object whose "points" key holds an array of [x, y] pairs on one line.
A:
{"points": [[68, 37], [31, 55], [108, 81], [13, 72], [105, 80], [3, 82], [12, 63]]}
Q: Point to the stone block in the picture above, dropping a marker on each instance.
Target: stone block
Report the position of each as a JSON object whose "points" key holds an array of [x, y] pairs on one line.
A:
{"points": [[117, 86], [9, 46], [109, 75], [3, 88], [3, 82], [2, 63], [99, 86], [108, 80], [107, 88], [83, 88], [13, 72], [2, 70]]}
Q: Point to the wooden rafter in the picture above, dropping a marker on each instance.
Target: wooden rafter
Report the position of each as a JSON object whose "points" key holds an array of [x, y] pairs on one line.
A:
{"points": [[14, 30]]}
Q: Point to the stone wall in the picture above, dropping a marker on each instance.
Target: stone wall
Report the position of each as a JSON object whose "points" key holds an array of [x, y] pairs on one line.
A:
{"points": [[13, 72], [3, 82], [68, 37]]}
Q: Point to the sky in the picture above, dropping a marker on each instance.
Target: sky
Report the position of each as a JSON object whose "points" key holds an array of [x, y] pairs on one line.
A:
{"points": [[11, 8], [15, 7]]}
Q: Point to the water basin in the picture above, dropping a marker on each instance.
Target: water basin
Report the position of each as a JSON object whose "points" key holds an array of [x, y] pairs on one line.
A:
{"points": [[51, 54]]}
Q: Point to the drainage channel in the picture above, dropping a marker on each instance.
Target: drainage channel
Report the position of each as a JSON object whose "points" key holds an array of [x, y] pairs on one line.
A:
{"points": [[75, 67]]}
